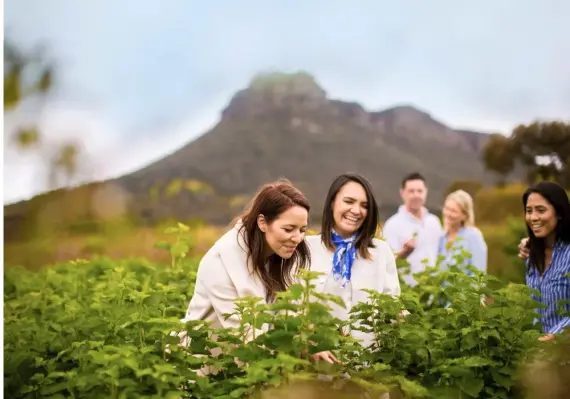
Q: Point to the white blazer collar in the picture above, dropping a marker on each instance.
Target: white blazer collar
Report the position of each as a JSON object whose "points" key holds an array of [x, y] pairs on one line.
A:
{"points": [[234, 257]]}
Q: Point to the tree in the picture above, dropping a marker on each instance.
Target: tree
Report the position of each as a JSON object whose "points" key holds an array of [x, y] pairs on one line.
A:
{"points": [[15, 86], [499, 155], [542, 147], [28, 76]]}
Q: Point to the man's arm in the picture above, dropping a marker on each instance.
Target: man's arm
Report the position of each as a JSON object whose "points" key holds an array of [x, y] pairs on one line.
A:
{"points": [[401, 250]]}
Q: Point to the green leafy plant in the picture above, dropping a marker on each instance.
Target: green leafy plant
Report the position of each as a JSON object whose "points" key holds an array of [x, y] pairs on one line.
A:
{"points": [[515, 270], [107, 329], [183, 242]]}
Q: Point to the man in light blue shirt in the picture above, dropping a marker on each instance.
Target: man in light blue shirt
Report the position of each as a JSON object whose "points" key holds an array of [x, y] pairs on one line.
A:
{"points": [[413, 232]]}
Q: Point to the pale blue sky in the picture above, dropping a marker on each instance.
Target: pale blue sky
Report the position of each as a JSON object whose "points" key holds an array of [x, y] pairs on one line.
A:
{"points": [[132, 71]]}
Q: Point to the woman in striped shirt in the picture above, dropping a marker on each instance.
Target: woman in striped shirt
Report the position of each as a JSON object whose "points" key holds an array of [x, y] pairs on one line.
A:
{"points": [[547, 215]]}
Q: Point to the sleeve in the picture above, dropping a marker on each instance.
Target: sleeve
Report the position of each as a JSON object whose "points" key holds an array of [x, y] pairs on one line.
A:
{"points": [[560, 326], [478, 248], [563, 295], [219, 289], [214, 282], [391, 282], [390, 234], [439, 225]]}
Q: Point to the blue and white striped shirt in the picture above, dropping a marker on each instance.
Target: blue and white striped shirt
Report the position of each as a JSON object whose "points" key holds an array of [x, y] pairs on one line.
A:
{"points": [[554, 286]]}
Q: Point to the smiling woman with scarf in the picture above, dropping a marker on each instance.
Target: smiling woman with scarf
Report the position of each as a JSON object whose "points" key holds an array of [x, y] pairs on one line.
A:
{"points": [[347, 252]]}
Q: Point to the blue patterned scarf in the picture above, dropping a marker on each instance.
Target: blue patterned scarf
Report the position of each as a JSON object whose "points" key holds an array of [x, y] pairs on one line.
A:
{"points": [[343, 258]]}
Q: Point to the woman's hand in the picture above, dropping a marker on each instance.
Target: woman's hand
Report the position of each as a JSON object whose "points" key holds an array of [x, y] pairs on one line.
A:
{"points": [[524, 252], [547, 337], [326, 356]]}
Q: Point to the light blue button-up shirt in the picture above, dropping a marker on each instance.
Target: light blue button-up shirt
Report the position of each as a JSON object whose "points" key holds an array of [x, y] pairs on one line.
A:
{"points": [[468, 239]]}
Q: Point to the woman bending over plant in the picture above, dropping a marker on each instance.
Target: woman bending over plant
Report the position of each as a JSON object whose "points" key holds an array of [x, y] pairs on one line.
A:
{"points": [[347, 252], [547, 215], [258, 257]]}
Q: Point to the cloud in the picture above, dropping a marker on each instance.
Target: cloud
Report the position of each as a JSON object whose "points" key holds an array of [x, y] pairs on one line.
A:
{"points": [[26, 171], [152, 77], [105, 150]]}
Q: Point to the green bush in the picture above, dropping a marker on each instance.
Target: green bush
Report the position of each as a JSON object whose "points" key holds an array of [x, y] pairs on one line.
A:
{"points": [[514, 270], [84, 226], [93, 246], [470, 186], [497, 204], [99, 329]]}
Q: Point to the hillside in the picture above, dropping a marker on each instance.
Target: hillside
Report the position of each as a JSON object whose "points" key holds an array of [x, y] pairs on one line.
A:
{"points": [[279, 126]]}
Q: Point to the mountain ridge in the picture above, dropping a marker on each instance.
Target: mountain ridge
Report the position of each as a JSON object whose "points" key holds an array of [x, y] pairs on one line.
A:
{"points": [[284, 125]]}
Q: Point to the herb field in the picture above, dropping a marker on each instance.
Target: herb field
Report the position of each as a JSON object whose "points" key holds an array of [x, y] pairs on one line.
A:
{"points": [[99, 329]]}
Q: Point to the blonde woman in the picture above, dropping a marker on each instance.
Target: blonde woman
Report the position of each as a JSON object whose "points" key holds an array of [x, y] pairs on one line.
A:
{"points": [[460, 232]]}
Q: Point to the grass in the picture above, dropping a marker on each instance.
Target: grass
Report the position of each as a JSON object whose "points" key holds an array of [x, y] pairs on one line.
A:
{"points": [[129, 243], [125, 242]]}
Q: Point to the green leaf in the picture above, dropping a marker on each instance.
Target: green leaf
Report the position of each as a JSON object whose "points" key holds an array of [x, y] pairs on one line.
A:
{"points": [[472, 386], [183, 227], [179, 249]]}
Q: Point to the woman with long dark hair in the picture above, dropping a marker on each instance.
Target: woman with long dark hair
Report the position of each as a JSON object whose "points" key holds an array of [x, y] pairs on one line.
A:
{"points": [[257, 257], [348, 253], [547, 215]]}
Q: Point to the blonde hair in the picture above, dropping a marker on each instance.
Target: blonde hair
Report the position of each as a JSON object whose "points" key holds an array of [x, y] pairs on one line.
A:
{"points": [[465, 203]]}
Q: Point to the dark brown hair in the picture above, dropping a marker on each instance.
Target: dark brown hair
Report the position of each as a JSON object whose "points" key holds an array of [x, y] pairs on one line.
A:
{"points": [[365, 237], [557, 197], [271, 201], [411, 177]]}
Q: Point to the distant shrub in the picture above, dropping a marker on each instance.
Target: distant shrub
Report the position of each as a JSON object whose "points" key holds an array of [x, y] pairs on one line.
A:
{"points": [[177, 186], [470, 186], [86, 226], [93, 246], [516, 230], [195, 223], [497, 204], [502, 249]]}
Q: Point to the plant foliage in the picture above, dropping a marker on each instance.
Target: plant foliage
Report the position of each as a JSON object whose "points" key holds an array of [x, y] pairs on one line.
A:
{"points": [[107, 329]]}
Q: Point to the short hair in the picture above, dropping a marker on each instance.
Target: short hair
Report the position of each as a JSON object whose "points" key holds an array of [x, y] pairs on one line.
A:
{"points": [[412, 176]]}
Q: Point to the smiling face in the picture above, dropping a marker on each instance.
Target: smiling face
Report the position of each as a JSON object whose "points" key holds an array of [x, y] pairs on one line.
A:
{"points": [[414, 194], [350, 208], [453, 215], [283, 235], [540, 216]]}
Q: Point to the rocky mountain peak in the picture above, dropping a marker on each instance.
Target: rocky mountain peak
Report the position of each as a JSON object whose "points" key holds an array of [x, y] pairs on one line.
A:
{"points": [[276, 89]]}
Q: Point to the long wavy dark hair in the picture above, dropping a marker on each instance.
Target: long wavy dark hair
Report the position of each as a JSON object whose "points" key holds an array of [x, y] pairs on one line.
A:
{"points": [[271, 201], [365, 237], [557, 197]]}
